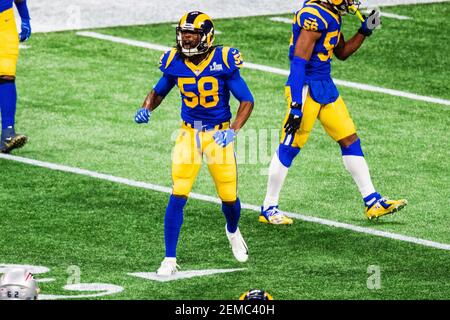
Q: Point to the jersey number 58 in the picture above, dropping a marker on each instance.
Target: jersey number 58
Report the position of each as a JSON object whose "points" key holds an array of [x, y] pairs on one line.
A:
{"points": [[207, 87]]}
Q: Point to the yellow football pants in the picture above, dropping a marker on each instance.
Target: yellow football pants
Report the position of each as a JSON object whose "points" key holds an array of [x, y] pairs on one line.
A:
{"points": [[334, 117], [9, 43], [190, 146]]}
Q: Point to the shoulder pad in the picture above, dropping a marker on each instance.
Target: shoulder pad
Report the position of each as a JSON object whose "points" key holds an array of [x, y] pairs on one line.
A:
{"points": [[166, 59], [310, 18], [232, 58]]}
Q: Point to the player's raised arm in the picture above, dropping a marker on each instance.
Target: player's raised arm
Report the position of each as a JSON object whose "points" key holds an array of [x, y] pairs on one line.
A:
{"points": [[154, 99], [345, 49]]}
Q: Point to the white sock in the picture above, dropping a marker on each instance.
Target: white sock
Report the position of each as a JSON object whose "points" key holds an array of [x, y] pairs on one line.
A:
{"points": [[170, 259], [277, 175], [357, 166]]}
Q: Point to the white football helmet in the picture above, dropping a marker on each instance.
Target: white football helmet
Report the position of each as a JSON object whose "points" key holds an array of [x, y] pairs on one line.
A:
{"points": [[18, 284]]}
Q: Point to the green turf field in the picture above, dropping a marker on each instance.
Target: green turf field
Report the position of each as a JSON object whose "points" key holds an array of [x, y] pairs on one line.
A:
{"points": [[77, 100]]}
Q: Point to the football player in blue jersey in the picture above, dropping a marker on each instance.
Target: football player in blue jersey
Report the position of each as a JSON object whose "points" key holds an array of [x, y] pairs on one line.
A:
{"points": [[205, 75], [9, 53], [311, 94]]}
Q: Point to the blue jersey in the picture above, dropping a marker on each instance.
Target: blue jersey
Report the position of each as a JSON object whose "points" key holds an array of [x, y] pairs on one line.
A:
{"points": [[5, 5], [315, 17], [204, 88]]}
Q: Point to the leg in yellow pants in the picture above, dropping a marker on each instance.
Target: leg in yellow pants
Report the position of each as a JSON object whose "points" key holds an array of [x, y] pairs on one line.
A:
{"points": [[334, 118], [190, 147], [187, 156], [9, 44], [9, 53]]}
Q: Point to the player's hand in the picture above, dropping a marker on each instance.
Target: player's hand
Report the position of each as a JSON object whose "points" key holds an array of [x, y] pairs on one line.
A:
{"points": [[142, 115], [25, 32], [294, 120], [224, 137], [370, 23]]}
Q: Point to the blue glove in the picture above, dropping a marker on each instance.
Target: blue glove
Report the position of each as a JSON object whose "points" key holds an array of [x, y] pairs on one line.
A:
{"points": [[294, 119], [25, 30], [142, 115], [370, 23], [224, 137]]}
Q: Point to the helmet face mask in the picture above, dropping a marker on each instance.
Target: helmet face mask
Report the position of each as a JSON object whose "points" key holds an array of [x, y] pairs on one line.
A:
{"points": [[343, 6], [18, 284], [198, 23]]}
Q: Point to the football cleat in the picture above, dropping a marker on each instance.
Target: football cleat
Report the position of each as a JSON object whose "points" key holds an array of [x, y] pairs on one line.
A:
{"points": [[238, 245], [13, 142], [274, 216], [168, 267], [383, 206]]}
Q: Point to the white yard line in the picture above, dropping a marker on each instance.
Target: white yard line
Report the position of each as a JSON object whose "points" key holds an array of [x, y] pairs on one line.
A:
{"points": [[349, 84], [154, 187], [383, 14], [389, 15], [182, 274], [281, 19]]}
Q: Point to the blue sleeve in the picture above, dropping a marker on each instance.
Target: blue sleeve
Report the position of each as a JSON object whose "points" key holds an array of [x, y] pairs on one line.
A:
{"points": [[238, 87], [311, 19], [164, 85], [22, 8], [296, 78]]}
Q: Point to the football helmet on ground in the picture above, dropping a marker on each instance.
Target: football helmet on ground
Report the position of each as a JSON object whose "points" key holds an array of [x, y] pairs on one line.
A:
{"points": [[18, 284], [256, 294]]}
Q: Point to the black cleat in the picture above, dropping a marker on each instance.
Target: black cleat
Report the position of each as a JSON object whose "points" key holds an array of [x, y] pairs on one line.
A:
{"points": [[13, 142]]}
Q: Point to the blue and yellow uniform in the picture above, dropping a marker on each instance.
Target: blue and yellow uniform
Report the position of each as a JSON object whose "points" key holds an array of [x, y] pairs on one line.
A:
{"points": [[321, 98], [9, 39], [205, 96]]}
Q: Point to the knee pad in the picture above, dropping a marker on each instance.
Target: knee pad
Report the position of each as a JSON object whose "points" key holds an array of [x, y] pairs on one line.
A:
{"points": [[227, 191], [287, 154], [353, 150], [181, 187]]}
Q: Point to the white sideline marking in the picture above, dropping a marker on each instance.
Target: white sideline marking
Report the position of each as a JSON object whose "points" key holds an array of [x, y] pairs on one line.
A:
{"points": [[33, 269], [367, 11], [354, 85], [104, 288], [389, 15], [149, 186], [182, 274], [45, 280], [86, 14], [281, 19]]}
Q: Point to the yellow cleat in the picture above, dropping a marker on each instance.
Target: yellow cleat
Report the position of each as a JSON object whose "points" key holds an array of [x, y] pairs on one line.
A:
{"points": [[274, 216], [384, 207]]}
